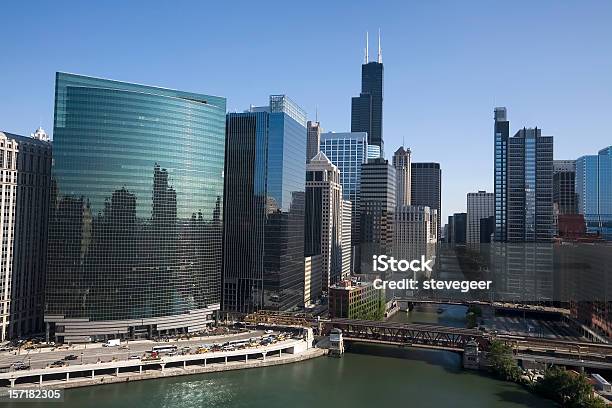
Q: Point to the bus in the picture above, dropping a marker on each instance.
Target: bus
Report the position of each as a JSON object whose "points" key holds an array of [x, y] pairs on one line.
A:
{"points": [[164, 348]]}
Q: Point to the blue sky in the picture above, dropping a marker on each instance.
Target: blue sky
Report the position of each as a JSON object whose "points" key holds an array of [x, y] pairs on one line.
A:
{"points": [[447, 64]]}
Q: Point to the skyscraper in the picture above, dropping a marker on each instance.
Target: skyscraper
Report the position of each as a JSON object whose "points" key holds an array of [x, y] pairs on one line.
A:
{"points": [[323, 215], [313, 139], [367, 108], [594, 191], [263, 264], [135, 228], [414, 232], [529, 187], [479, 205], [426, 188], [348, 151], [26, 187], [564, 185], [403, 168], [377, 209], [457, 228], [501, 130]]}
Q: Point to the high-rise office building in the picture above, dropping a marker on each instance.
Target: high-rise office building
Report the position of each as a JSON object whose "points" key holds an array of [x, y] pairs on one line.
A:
{"points": [[529, 187], [376, 208], [25, 164], [135, 229], [323, 217], [265, 171], [479, 205], [367, 108], [403, 168], [313, 139], [564, 186], [414, 232], [501, 130], [347, 247], [426, 188], [594, 191], [348, 151], [457, 228]]}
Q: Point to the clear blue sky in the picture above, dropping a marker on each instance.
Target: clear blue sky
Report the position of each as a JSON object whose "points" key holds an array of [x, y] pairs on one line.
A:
{"points": [[447, 64]]}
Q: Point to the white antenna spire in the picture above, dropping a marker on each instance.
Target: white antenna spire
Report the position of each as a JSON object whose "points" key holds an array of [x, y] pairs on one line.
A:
{"points": [[366, 49], [379, 49]]}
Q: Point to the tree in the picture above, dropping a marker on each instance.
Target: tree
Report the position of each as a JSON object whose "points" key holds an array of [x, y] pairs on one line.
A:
{"points": [[568, 389], [502, 362]]}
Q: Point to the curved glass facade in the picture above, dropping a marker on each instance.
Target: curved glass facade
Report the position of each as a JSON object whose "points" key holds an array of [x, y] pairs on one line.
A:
{"points": [[136, 228]]}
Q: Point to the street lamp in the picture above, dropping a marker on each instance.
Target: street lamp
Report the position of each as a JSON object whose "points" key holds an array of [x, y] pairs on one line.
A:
{"points": [[81, 357]]}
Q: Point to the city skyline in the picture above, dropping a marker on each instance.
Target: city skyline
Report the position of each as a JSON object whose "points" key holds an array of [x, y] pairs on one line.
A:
{"points": [[440, 85]]}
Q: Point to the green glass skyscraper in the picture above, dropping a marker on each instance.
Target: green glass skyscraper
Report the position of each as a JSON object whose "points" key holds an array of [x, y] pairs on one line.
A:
{"points": [[135, 230]]}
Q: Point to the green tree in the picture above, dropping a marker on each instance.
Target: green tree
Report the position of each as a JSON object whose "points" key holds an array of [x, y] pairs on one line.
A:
{"points": [[568, 389], [502, 362]]}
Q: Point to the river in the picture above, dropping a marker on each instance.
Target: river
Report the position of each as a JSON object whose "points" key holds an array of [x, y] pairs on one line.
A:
{"points": [[367, 376]]}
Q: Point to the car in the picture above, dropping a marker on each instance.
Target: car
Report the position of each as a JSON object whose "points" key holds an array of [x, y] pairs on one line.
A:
{"points": [[171, 353], [71, 357], [269, 331], [20, 365], [58, 363], [134, 357]]}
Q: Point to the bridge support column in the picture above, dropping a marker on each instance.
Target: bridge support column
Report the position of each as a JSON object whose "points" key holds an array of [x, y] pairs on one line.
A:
{"points": [[117, 372], [40, 380], [163, 366], [226, 360], [185, 365], [93, 374], [264, 355], [67, 376], [246, 358], [280, 353], [12, 380], [139, 369], [204, 363]]}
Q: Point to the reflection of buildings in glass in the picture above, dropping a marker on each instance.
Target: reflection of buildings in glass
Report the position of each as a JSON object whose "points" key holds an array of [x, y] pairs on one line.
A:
{"points": [[594, 191], [125, 247], [25, 163], [264, 208]]}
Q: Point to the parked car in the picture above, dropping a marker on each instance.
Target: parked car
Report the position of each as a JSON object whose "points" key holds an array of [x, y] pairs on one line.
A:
{"points": [[71, 357], [134, 357], [58, 363], [20, 365]]}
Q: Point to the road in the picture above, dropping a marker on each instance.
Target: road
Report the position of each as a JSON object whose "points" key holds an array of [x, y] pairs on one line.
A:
{"points": [[41, 359]]}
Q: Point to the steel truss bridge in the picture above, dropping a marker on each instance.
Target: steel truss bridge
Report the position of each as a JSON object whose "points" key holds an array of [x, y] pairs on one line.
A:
{"points": [[417, 335]]}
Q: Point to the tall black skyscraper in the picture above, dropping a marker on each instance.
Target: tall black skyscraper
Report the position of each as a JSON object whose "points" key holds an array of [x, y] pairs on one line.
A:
{"points": [[529, 186], [426, 186], [367, 108], [502, 133]]}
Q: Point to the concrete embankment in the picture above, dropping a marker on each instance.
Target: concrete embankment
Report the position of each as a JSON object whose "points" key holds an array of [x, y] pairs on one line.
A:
{"points": [[123, 377]]}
